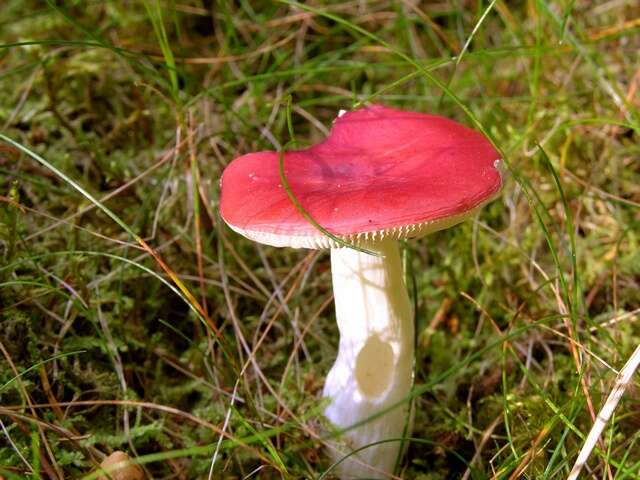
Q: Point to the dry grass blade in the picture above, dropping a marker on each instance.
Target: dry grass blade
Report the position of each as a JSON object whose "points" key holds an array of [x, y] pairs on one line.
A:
{"points": [[604, 415]]}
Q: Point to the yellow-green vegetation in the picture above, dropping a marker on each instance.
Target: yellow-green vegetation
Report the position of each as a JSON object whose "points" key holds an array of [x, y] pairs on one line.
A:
{"points": [[132, 319]]}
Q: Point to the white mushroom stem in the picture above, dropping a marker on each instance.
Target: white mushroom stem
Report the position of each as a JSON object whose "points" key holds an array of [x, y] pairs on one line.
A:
{"points": [[374, 368]]}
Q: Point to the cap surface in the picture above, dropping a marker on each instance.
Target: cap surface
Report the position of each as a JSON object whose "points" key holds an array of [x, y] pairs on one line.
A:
{"points": [[381, 172]]}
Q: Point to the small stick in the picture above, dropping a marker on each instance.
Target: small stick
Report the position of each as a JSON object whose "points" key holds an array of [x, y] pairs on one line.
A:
{"points": [[623, 380]]}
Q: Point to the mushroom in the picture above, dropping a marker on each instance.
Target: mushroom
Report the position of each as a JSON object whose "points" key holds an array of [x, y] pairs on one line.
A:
{"points": [[382, 175], [118, 466]]}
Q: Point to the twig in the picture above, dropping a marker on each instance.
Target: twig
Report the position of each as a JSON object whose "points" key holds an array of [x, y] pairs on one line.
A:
{"points": [[486, 435], [623, 380]]}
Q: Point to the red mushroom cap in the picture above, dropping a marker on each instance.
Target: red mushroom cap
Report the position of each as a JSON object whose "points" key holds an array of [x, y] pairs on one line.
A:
{"points": [[381, 172]]}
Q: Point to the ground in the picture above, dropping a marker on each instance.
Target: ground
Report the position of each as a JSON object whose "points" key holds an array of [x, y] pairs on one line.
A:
{"points": [[132, 319]]}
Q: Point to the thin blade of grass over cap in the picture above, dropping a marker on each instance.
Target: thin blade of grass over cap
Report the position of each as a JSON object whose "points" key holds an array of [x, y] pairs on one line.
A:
{"points": [[296, 203]]}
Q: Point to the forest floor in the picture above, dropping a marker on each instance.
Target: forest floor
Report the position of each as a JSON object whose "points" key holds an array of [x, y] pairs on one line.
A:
{"points": [[133, 319]]}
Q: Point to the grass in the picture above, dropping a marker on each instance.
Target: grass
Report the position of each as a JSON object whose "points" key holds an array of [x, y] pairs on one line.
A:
{"points": [[132, 319]]}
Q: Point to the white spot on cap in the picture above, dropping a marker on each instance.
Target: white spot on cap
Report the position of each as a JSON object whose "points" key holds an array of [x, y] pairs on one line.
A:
{"points": [[501, 167]]}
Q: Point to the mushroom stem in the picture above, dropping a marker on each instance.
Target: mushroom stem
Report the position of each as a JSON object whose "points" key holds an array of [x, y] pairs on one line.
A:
{"points": [[374, 367]]}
